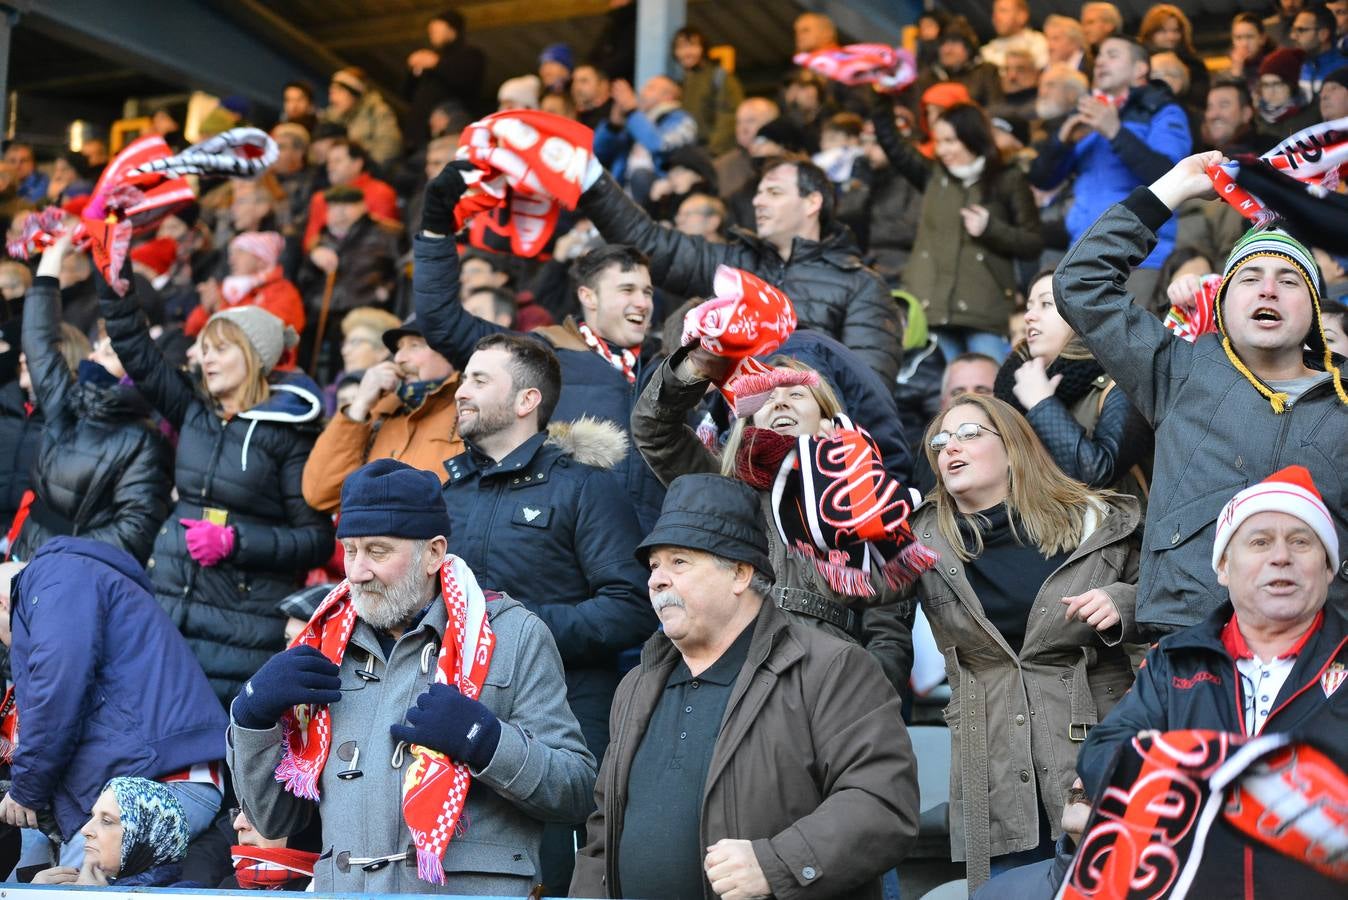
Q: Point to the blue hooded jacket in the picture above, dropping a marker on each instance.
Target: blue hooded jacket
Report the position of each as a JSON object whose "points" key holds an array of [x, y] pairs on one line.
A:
{"points": [[105, 684]]}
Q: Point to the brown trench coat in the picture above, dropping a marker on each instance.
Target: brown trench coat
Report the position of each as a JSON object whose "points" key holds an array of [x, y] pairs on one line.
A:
{"points": [[812, 763], [1017, 720]]}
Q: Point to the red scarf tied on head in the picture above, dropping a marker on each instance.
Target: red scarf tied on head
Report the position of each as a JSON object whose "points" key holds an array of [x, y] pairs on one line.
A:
{"points": [[435, 788], [889, 68], [835, 505], [531, 165], [748, 317]]}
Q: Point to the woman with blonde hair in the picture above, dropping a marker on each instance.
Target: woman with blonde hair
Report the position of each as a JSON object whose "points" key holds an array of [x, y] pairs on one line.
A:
{"points": [[1165, 28], [1029, 603], [240, 533], [672, 448]]}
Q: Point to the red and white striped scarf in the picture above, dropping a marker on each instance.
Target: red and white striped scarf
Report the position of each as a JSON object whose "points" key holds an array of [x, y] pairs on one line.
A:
{"points": [[624, 360], [435, 788], [9, 727]]}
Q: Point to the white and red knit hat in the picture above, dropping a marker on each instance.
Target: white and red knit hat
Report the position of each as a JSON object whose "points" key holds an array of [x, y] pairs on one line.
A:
{"points": [[265, 245], [1288, 490]]}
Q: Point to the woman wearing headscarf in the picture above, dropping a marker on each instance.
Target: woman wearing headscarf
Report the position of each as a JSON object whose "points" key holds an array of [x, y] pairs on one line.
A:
{"points": [[135, 837]]}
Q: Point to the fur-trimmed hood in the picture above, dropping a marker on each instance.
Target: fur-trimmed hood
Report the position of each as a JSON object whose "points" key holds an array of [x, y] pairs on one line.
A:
{"points": [[594, 442]]}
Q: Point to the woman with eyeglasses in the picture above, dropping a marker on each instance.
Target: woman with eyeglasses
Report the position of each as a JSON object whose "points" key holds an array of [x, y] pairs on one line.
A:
{"points": [[1030, 603], [1090, 429]]}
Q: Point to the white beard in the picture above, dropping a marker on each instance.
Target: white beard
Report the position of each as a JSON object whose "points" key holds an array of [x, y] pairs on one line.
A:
{"points": [[384, 606]]}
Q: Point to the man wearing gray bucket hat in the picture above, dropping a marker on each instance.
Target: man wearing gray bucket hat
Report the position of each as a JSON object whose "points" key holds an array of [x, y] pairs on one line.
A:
{"points": [[685, 799]]}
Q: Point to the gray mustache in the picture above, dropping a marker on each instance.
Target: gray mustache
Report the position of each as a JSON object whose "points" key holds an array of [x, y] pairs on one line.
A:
{"points": [[666, 598]]}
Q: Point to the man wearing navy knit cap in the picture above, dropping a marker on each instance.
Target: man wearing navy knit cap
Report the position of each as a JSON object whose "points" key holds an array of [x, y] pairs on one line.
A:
{"points": [[414, 702]]}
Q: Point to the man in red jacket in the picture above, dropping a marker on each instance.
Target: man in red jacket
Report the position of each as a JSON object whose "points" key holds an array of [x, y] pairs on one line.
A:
{"points": [[348, 165]]}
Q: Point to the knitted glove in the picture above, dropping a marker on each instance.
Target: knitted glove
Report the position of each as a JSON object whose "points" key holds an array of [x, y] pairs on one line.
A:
{"points": [[296, 676], [442, 194], [207, 542], [446, 720]]}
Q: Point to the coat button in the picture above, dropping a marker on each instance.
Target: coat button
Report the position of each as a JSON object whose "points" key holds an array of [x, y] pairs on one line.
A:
{"points": [[926, 534], [953, 570], [1174, 538], [808, 873], [978, 256], [1024, 776], [1020, 720]]}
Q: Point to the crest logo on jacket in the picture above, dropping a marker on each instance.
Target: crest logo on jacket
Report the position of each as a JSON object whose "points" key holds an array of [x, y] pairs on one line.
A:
{"points": [[1333, 679], [530, 513]]}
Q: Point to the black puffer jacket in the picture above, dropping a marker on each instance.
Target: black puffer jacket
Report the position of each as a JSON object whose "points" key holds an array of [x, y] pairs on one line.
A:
{"points": [[103, 472], [249, 467], [20, 434], [831, 289]]}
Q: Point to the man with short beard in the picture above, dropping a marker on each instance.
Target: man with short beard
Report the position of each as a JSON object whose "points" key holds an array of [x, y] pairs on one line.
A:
{"points": [[538, 514], [487, 744], [752, 755]]}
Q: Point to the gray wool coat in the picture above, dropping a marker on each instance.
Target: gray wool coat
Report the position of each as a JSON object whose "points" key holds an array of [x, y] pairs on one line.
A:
{"points": [[542, 771], [1215, 434]]}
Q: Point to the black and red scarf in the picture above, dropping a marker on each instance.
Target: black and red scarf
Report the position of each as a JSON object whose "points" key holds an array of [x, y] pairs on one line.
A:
{"points": [[834, 504], [1182, 808]]}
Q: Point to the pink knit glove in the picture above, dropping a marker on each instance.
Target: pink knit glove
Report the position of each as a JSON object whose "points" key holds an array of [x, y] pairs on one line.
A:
{"points": [[207, 542]]}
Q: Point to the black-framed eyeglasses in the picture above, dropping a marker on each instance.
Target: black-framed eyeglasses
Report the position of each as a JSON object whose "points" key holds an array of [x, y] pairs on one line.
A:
{"points": [[968, 431]]}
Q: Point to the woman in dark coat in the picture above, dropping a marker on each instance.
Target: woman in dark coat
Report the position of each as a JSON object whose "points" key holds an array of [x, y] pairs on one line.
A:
{"points": [[103, 472], [241, 534], [978, 216], [1090, 429], [20, 426]]}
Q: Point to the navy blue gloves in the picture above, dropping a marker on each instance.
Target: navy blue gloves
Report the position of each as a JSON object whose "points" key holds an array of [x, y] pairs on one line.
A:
{"points": [[442, 195], [298, 675], [446, 720]]}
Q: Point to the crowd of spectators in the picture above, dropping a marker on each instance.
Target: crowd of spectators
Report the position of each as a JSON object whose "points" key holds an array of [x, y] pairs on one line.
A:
{"points": [[317, 387]]}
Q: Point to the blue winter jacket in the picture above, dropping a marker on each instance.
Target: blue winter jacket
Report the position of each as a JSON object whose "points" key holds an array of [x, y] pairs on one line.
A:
{"points": [[551, 527], [105, 684], [1155, 135], [670, 130]]}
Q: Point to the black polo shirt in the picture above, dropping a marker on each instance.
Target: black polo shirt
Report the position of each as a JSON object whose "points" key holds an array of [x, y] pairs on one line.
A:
{"points": [[660, 851]]}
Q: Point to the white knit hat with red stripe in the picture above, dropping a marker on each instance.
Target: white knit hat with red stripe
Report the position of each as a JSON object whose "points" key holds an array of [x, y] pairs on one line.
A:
{"points": [[1288, 490], [265, 245]]}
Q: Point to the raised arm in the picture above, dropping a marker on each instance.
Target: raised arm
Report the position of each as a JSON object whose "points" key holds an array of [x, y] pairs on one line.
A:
{"points": [[1090, 289], [659, 423], [169, 390], [449, 329], [900, 152], [42, 333], [679, 263]]}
